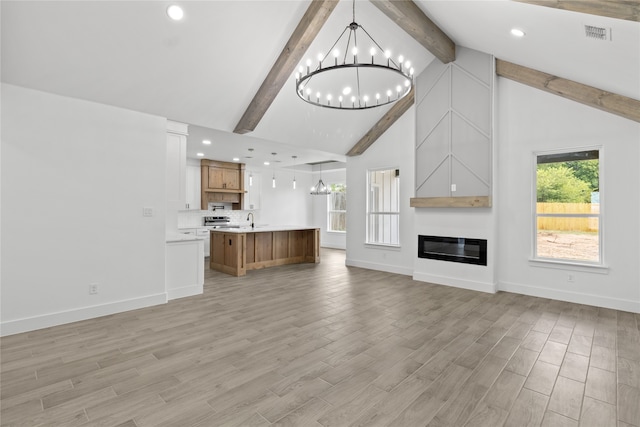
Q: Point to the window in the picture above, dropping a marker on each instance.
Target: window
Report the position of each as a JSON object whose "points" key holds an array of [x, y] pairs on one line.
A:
{"points": [[337, 208], [567, 209], [383, 207]]}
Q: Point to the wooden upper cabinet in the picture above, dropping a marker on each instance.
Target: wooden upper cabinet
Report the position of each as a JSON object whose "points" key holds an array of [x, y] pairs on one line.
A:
{"points": [[224, 179], [223, 175], [222, 182]]}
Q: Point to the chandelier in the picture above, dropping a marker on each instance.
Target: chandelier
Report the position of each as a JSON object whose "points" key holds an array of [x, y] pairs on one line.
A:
{"points": [[354, 79], [320, 189]]}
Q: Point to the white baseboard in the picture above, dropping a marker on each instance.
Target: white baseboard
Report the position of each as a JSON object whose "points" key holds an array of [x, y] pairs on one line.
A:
{"points": [[456, 283], [332, 246], [575, 297], [54, 319], [379, 267], [185, 291]]}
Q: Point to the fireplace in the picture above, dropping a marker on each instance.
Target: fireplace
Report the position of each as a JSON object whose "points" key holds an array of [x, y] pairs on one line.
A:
{"points": [[453, 249]]}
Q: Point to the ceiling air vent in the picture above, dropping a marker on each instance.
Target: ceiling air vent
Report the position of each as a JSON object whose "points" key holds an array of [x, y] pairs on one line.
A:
{"points": [[598, 33]]}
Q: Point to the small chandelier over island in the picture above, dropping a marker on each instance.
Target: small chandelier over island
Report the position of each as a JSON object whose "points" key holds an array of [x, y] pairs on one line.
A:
{"points": [[354, 79]]}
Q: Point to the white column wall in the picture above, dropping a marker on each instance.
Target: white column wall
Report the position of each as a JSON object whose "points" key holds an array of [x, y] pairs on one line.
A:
{"points": [[394, 149], [75, 178]]}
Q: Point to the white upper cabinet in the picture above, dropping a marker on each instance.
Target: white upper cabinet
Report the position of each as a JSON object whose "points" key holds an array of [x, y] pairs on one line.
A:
{"points": [[193, 187]]}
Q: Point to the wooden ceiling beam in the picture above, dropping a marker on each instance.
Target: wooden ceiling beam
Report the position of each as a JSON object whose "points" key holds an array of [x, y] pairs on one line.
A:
{"points": [[620, 105], [628, 10], [408, 16], [394, 113], [306, 31]]}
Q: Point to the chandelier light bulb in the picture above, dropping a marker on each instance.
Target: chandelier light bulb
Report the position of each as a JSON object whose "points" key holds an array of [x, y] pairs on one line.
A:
{"points": [[389, 92], [329, 97], [366, 98], [398, 88], [273, 181], [308, 62], [354, 51], [320, 57], [377, 96], [297, 76], [300, 69], [387, 54], [401, 59], [411, 71], [308, 91], [407, 83], [346, 90], [340, 98], [336, 53], [407, 64], [372, 51]]}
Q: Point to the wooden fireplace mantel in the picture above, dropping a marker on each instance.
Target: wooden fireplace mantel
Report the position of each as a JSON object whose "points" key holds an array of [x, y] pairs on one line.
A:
{"points": [[451, 202]]}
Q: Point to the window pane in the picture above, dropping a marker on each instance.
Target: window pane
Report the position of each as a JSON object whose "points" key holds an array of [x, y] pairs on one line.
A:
{"points": [[568, 184], [337, 221], [572, 239], [384, 229]]}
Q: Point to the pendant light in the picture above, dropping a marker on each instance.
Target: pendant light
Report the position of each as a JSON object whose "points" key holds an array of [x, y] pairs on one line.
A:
{"points": [[320, 189], [294, 171], [273, 180]]}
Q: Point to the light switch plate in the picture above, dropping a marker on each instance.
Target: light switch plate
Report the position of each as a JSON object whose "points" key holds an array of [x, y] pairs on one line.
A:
{"points": [[453, 187]]}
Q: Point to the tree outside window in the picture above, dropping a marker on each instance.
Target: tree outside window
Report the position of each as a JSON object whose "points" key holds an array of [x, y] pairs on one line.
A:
{"points": [[337, 208]]}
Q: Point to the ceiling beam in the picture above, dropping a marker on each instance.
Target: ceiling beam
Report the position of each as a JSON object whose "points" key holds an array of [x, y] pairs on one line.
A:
{"points": [[628, 10], [408, 16], [620, 105], [383, 124], [306, 31]]}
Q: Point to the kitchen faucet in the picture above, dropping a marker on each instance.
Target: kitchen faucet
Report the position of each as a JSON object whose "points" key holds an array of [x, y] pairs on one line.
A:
{"points": [[250, 213]]}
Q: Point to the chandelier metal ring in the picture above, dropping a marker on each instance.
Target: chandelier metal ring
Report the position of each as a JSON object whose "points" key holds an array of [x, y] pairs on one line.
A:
{"points": [[360, 103]]}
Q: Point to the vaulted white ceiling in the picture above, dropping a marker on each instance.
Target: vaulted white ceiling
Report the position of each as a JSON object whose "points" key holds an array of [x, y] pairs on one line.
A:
{"points": [[205, 69]]}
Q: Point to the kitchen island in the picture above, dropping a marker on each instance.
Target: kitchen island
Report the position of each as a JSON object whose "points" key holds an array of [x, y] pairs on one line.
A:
{"points": [[236, 250]]}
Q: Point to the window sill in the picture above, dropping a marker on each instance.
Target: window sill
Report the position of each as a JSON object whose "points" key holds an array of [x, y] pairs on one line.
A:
{"points": [[382, 246], [336, 232], [570, 265]]}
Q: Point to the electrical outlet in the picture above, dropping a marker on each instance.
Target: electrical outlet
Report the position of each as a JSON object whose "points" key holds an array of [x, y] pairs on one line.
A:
{"points": [[147, 211], [453, 187], [570, 278], [93, 289]]}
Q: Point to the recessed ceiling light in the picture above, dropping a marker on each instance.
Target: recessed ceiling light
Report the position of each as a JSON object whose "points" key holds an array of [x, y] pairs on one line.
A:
{"points": [[206, 142], [266, 163], [200, 154], [175, 12], [236, 159], [517, 32]]}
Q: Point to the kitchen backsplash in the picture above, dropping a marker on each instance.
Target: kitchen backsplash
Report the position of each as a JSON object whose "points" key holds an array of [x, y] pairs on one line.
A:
{"points": [[193, 219]]}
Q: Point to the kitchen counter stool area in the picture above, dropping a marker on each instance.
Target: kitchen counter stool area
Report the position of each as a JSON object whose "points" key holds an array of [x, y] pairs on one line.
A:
{"points": [[234, 251]]}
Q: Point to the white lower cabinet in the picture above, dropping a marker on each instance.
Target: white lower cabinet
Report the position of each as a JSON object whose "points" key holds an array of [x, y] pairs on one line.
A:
{"points": [[184, 268]]}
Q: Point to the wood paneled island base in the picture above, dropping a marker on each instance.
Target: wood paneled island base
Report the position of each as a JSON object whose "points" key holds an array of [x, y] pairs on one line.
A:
{"points": [[234, 251]]}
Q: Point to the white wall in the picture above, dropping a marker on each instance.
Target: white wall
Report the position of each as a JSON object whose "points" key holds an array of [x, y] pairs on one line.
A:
{"points": [[531, 120], [75, 177], [320, 216], [394, 149], [283, 205]]}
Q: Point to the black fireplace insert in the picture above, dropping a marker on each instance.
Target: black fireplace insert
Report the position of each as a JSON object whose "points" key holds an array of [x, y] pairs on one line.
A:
{"points": [[454, 249]]}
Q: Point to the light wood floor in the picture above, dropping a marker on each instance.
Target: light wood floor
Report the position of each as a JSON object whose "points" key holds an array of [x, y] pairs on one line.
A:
{"points": [[325, 345]]}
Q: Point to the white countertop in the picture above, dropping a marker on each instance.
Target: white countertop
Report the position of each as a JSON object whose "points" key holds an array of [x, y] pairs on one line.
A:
{"points": [[263, 228]]}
